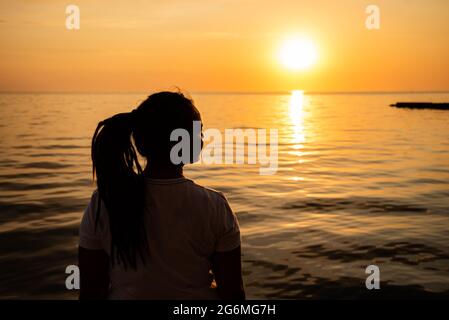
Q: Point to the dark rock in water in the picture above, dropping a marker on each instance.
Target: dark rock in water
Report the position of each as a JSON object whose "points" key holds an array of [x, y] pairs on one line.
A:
{"points": [[422, 105]]}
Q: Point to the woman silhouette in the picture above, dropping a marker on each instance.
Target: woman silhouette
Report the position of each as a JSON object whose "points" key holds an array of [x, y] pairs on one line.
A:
{"points": [[152, 233]]}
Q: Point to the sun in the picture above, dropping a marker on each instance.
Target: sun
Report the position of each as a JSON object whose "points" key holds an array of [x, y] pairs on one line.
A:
{"points": [[298, 54]]}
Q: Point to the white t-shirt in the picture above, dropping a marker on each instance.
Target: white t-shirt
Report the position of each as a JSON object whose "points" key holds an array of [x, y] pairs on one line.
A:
{"points": [[186, 224]]}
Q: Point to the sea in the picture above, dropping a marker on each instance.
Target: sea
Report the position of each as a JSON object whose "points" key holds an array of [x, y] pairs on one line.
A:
{"points": [[356, 183]]}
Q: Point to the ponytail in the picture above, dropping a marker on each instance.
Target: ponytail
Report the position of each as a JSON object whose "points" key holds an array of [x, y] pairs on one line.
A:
{"points": [[120, 187]]}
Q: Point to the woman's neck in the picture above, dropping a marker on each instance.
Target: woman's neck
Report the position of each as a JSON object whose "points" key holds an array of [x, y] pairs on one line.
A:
{"points": [[163, 172]]}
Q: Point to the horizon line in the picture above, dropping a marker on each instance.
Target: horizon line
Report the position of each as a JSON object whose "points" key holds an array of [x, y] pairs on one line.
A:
{"points": [[234, 92]]}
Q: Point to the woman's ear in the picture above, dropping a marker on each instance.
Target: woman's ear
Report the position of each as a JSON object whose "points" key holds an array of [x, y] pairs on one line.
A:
{"points": [[195, 152], [202, 136]]}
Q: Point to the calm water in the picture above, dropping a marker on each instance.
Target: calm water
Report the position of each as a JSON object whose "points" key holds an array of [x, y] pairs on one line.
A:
{"points": [[358, 183]]}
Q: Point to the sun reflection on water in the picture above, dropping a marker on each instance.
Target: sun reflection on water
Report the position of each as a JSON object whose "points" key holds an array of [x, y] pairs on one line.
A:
{"points": [[296, 113]]}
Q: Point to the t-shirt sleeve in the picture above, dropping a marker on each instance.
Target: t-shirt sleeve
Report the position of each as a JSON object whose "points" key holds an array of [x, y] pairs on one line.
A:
{"points": [[91, 236], [229, 229]]}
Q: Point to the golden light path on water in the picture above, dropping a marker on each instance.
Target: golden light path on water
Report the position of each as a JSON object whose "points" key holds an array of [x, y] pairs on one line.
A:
{"points": [[298, 136], [297, 117]]}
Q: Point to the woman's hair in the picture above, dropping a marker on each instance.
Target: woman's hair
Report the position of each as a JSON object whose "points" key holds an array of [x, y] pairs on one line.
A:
{"points": [[115, 147]]}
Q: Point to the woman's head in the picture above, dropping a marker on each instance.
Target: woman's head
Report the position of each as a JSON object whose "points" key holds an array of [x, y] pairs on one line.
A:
{"points": [[119, 173], [156, 118]]}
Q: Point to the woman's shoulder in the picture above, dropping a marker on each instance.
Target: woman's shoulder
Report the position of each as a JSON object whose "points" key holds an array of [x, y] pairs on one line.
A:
{"points": [[96, 209], [210, 193], [94, 224]]}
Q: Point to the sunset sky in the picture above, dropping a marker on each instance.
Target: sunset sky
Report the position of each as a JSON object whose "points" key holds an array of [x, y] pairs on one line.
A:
{"points": [[222, 46]]}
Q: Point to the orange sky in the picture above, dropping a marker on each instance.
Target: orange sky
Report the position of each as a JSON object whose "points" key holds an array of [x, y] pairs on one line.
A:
{"points": [[222, 45]]}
